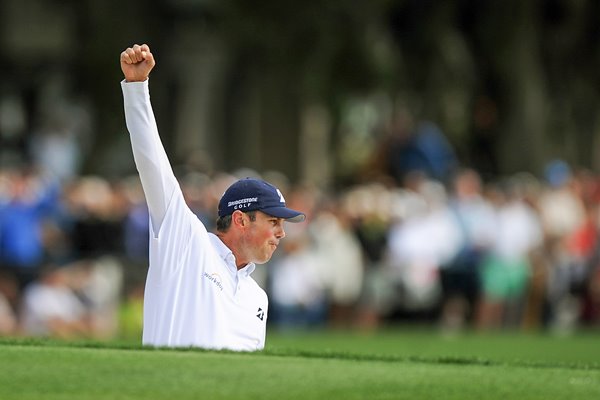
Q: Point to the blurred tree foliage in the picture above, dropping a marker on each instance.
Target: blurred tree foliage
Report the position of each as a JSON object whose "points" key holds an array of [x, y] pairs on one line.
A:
{"points": [[511, 83]]}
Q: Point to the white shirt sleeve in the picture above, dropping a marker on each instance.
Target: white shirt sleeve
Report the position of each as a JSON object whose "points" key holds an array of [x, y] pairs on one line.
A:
{"points": [[156, 174]]}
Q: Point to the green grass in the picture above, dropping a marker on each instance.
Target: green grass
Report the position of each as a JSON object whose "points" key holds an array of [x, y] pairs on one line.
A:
{"points": [[323, 365], [582, 349]]}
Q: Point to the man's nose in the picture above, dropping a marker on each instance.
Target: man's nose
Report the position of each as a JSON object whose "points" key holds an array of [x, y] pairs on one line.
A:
{"points": [[280, 234]]}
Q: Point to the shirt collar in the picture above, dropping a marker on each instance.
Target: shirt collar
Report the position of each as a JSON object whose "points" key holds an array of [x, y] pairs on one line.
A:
{"points": [[227, 255]]}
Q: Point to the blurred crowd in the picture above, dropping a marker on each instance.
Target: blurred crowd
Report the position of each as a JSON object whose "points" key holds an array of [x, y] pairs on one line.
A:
{"points": [[516, 253], [520, 253]]}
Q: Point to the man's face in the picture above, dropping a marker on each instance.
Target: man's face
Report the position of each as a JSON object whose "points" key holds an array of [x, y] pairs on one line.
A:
{"points": [[262, 237]]}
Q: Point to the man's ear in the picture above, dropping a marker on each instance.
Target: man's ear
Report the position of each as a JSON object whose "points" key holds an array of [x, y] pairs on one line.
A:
{"points": [[238, 218]]}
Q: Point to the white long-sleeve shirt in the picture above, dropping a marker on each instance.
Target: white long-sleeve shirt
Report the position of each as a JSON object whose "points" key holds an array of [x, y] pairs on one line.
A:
{"points": [[195, 295]]}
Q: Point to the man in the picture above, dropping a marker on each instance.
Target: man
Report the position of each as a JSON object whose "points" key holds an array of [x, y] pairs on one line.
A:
{"points": [[198, 290]]}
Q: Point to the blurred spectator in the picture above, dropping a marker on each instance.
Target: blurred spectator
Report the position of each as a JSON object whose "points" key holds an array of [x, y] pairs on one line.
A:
{"points": [[297, 289], [427, 238], [51, 308], [460, 277], [27, 211], [79, 299], [136, 226], [341, 260], [440, 156], [136, 231], [97, 211], [368, 209], [99, 284], [419, 148], [563, 213], [507, 268]]}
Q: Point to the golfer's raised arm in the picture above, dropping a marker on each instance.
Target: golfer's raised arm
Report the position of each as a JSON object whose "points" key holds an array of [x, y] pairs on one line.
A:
{"points": [[150, 157]]}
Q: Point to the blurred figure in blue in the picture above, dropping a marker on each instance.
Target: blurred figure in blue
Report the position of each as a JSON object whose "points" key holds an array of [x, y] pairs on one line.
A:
{"points": [[28, 208], [422, 149], [476, 221]]}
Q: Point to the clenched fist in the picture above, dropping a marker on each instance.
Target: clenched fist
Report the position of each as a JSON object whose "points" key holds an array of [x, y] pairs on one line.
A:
{"points": [[137, 62]]}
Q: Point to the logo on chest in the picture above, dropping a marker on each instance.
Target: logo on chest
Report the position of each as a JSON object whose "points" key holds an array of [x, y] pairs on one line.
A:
{"points": [[215, 279], [261, 314]]}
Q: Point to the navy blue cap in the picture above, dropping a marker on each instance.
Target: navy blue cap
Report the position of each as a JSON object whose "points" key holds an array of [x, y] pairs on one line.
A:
{"points": [[251, 194]]}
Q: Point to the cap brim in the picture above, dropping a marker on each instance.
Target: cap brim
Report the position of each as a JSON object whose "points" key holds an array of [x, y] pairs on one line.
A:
{"points": [[285, 213]]}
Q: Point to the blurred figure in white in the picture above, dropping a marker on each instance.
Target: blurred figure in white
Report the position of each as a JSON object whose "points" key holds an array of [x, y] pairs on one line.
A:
{"points": [[297, 287], [427, 238], [51, 308], [506, 271], [341, 258], [100, 285]]}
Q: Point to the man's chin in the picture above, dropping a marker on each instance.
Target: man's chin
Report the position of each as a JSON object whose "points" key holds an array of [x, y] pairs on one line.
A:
{"points": [[263, 260]]}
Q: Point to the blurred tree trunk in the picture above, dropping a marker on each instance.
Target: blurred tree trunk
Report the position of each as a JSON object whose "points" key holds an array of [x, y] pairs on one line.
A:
{"points": [[522, 146]]}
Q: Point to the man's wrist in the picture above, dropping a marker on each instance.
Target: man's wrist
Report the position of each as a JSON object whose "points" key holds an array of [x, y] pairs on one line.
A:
{"points": [[136, 80]]}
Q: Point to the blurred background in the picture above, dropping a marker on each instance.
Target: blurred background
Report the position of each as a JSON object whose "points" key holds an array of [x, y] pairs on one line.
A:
{"points": [[446, 154]]}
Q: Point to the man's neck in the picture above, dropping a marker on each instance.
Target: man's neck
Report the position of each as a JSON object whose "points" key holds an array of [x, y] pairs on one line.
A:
{"points": [[230, 242]]}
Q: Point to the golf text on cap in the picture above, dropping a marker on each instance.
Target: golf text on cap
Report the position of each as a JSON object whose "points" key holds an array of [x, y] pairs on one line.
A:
{"points": [[242, 203]]}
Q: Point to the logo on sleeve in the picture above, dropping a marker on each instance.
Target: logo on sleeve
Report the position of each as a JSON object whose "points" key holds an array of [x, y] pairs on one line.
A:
{"points": [[261, 314]]}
